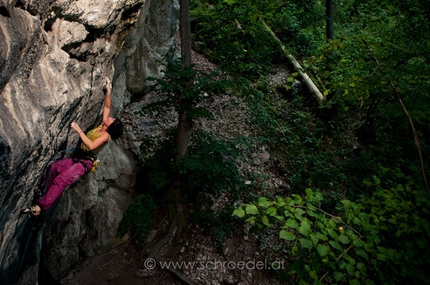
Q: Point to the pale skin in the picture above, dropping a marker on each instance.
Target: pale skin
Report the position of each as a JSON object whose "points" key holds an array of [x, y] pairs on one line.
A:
{"points": [[103, 138]]}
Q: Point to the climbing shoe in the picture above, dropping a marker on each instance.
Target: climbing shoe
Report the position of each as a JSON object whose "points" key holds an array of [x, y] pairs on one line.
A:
{"points": [[95, 165], [31, 210]]}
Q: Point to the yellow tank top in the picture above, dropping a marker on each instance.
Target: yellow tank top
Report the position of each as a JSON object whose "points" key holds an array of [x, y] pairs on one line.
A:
{"points": [[93, 135]]}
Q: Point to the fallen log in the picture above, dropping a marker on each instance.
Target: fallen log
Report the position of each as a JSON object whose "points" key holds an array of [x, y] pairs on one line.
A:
{"points": [[306, 79]]}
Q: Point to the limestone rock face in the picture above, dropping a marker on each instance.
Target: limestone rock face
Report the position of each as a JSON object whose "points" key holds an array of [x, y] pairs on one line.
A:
{"points": [[54, 56]]}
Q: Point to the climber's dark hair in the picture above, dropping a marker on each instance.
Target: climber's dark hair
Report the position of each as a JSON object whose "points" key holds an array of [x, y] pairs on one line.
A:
{"points": [[115, 128]]}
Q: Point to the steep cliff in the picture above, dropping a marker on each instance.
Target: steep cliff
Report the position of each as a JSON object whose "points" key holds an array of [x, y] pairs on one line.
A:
{"points": [[53, 58]]}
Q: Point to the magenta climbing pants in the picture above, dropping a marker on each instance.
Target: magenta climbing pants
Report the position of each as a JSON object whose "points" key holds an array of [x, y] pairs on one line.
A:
{"points": [[62, 173]]}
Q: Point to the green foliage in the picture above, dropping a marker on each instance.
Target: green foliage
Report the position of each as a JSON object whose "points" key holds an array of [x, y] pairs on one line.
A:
{"points": [[231, 33], [137, 220], [218, 224], [183, 87], [383, 239], [209, 165]]}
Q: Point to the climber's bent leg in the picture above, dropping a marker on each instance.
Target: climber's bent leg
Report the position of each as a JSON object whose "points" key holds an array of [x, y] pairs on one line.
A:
{"points": [[60, 182], [56, 168]]}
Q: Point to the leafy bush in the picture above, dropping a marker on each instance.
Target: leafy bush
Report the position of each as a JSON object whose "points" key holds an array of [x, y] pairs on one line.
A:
{"points": [[219, 225], [383, 239], [137, 220]]}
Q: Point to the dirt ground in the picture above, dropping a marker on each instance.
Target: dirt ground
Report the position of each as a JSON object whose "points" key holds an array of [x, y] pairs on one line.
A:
{"points": [[195, 258]]}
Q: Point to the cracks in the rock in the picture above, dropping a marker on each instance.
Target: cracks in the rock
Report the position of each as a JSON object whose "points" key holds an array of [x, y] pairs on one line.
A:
{"points": [[4, 12]]}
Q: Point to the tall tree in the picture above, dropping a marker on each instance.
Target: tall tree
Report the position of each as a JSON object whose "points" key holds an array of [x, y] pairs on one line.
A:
{"points": [[184, 122], [329, 19]]}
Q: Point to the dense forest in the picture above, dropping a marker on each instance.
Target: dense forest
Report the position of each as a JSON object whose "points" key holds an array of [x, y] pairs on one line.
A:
{"points": [[356, 209]]}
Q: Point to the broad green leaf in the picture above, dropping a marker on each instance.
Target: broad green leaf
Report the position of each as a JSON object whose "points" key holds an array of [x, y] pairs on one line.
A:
{"points": [[381, 257], [304, 231], [332, 224], [376, 179], [339, 276], [250, 220], [344, 239], [283, 234], [333, 234], [298, 213], [321, 236], [280, 218], [361, 267], [287, 213], [314, 238], [305, 227], [335, 245], [314, 276], [318, 196], [311, 207], [265, 221], [350, 269], [367, 182], [292, 224], [262, 202], [356, 221], [323, 250], [349, 258], [239, 212], [281, 202], [271, 211], [358, 243], [297, 199], [309, 192], [354, 282], [362, 253], [306, 243], [311, 213], [251, 209], [346, 202]]}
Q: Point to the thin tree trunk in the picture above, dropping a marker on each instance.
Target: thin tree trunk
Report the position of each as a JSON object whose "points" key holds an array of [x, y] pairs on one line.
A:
{"points": [[417, 142], [185, 32], [329, 19], [178, 212], [183, 135], [307, 80]]}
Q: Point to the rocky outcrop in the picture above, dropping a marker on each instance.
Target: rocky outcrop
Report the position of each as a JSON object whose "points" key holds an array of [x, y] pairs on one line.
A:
{"points": [[53, 58]]}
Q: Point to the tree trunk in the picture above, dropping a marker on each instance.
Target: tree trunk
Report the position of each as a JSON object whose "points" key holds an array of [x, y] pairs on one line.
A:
{"points": [[417, 141], [329, 19], [178, 212], [307, 80], [183, 135], [185, 32]]}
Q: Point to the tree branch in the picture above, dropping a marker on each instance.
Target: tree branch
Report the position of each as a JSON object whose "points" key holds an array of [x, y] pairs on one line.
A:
{"points": [[417, 142], [307, 80]]}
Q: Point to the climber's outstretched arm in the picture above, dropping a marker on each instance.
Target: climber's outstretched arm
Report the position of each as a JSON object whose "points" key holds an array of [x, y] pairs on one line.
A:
{"points": [[106, 107]]}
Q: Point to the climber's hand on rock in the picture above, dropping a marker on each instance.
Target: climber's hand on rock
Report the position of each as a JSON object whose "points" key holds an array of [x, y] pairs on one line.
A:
{"points": [[76, 127]]}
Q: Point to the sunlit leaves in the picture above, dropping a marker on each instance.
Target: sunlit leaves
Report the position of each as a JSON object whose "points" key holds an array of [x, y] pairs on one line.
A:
{"points": [[344, 246]]}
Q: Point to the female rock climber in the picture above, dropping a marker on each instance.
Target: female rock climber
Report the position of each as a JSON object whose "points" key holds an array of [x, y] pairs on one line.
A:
{"points": [[66, 171]]}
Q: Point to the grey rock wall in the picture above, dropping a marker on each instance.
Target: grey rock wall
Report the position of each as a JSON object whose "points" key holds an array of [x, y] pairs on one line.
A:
{"points": [[54, 56]]}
